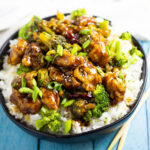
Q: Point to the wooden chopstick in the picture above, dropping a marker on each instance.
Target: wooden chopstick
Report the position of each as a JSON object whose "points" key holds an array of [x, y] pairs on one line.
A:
{"points": [[124, 130], [123, 137], [124, 127]]}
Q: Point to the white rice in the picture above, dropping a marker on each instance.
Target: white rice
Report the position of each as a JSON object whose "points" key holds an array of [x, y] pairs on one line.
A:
{"points": [[112, 114]]}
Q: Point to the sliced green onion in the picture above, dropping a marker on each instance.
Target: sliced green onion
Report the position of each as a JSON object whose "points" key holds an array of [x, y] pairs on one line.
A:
{"points": [[100, 71], [23, 82], [34, 82], [85, 31], [14, 84], [55, 86], [86, 44], [82, 54], [48, 59], [69, 103], [25, 90], [67, 126], [23, 69], [40, 93], [74, 50], [64, 101], [35, 93], [59, 50]]}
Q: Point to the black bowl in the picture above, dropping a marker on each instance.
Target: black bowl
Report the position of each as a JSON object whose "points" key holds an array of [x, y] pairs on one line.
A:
{"points": [[76, 137]]}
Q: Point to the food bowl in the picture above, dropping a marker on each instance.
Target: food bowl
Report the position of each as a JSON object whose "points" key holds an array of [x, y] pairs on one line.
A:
{"points": [[92, 134]]}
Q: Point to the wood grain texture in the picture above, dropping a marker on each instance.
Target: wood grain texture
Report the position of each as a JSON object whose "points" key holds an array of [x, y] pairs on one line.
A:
{"points": [[12, 137], [103, 142], [137, 135], [148, 121], [45, 145], [146, 46]]}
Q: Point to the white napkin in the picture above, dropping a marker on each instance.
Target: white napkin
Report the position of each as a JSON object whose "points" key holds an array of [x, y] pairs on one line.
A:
{"points": [[130, 15]]}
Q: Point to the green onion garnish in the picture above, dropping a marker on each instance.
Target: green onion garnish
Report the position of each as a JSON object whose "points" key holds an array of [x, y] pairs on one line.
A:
{"points": [[85, 31], [67, 126], [25, 90], [86, 44], [82, 54], [69, 103]]}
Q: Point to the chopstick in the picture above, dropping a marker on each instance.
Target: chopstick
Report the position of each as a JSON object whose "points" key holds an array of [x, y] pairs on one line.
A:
{"points": [[126, 125], [123, 137], [124, 130]]}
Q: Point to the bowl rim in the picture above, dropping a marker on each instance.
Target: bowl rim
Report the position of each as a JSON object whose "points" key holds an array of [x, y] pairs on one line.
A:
{"points": [[28, 128]]}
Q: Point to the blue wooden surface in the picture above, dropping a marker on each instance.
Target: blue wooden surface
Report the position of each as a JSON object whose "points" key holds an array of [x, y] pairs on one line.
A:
{"points": [[13, 138]]}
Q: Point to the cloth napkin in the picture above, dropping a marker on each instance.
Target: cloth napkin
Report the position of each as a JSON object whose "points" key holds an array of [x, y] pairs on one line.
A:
{"points": [[126, 15]]}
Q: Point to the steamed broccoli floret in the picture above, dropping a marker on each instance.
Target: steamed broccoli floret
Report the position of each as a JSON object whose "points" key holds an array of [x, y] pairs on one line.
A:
{"points": [[135, 51], [54, 125], [97, 111], [78, 13], [104, 25], [101, 99], [50, 118], [118, 58], [126, 36], [87, 117], [41, 123], [27, 30]]}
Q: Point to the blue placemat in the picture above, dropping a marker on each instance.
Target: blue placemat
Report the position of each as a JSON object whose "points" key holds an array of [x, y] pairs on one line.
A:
{"points": [[138, 138]]}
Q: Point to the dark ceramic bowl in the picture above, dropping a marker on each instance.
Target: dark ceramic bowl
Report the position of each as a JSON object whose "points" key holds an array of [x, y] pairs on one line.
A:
{"points": [[76, 137]]}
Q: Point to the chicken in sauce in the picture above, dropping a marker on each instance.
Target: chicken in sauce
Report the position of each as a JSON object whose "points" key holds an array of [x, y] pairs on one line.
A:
{"points": [[70, 63]]}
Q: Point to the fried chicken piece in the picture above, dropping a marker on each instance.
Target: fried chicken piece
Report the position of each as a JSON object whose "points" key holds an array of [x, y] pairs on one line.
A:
{"points": [[85, 21], [88, 75], [67, 79], [33, 57], [115, 87], [24, 103], [68, 60], [16, 83], [99, 54], [17, 52], [50, 98], [29, 78]]}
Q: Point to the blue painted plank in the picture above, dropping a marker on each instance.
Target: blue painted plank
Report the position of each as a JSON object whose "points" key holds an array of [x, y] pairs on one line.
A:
{"points": [[146, 46], [104, 141], [148, 120], [137, 135], [12, 137], [45, 145]]}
